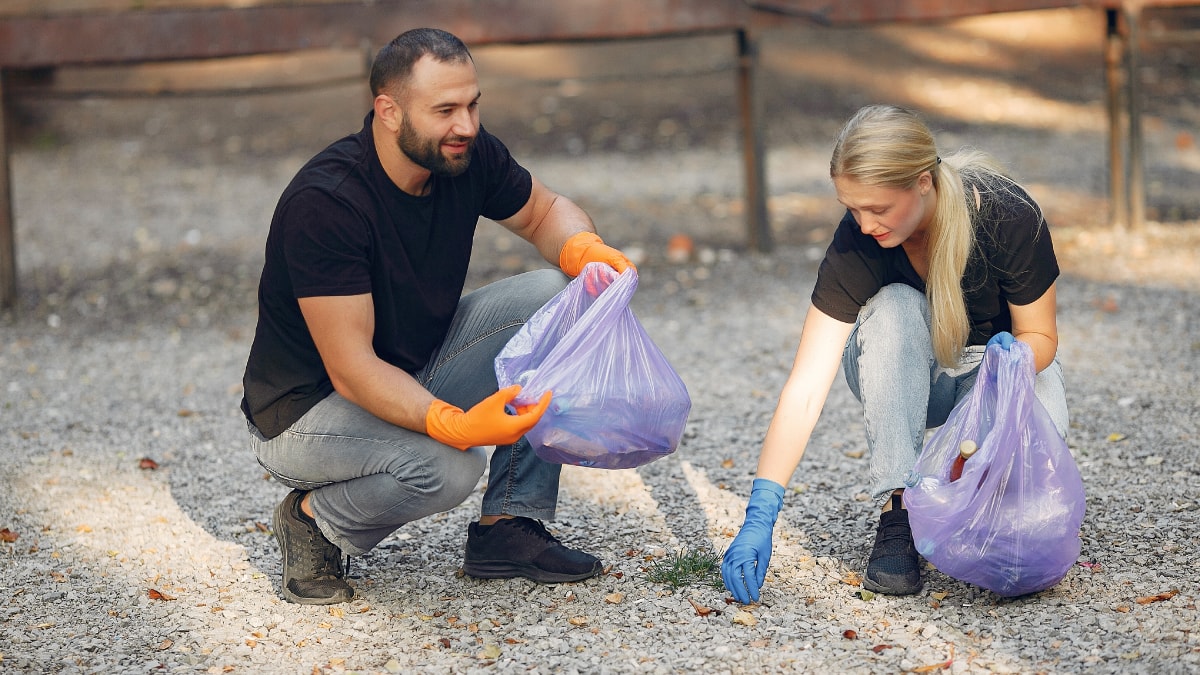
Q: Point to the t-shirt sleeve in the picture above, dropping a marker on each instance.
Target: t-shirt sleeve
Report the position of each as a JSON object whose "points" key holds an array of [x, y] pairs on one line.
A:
{"points": [[851, 273], [326, 245], [1024, 261], [509, 184]]}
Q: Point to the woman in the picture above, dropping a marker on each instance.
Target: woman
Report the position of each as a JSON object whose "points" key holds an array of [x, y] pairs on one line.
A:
{"points": [[934, 259]]}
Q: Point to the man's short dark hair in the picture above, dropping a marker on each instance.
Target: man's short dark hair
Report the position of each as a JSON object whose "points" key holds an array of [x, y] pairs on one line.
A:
{"points": [[393, 65]]}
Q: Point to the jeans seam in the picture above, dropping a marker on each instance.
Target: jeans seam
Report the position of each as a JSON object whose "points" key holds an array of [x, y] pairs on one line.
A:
{"points": [[444, 359]]}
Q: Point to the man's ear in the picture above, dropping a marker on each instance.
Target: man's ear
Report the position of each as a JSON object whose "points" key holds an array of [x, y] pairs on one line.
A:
{"points": [[388, 112]]}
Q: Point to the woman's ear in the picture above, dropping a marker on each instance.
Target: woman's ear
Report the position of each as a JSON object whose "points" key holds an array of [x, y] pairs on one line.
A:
{"points": [[925, 182]]}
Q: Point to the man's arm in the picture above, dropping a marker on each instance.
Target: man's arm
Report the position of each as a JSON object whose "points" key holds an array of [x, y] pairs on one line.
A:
{"points": [[547, 220], [343, 328]]}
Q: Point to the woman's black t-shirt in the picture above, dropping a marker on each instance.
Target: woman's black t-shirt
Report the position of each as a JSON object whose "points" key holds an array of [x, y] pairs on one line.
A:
{"points": [[342, 227], [1013, 261]]}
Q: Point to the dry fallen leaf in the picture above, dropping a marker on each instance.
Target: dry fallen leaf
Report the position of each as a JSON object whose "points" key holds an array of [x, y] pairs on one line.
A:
{"points": [[744, 618], [490, 651], [578, 621], [8, 536], [850, 634], [147, 464], [1165, 595], [944, 665], [852, 578], [614, 598], [727, 464], [165, 644], [701, 609], [1116, 437], [156, 594], [879, 648]]}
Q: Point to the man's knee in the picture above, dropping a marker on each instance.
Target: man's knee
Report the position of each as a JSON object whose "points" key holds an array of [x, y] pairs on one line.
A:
{"points": [[449, 483]]}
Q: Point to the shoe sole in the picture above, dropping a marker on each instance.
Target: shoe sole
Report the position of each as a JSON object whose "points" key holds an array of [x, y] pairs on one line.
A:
{"points": [[508, 570], [885, 590]]}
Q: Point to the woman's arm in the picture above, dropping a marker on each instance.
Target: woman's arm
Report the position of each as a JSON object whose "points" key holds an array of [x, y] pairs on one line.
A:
{"points": [[1036, 325], [817, 361]]}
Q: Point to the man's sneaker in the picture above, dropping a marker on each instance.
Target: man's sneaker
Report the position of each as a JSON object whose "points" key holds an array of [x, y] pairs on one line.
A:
{"points": [[313, 571], [894, 568], [521, 547]]}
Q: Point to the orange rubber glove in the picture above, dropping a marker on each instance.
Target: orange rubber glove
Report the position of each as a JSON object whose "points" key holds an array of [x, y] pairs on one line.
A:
{"points": [[586, 247], [485, 424]]}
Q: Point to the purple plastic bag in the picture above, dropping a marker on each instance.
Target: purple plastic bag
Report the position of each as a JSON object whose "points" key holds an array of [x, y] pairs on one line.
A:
{"points": [[617, 402], [1010, 524]]}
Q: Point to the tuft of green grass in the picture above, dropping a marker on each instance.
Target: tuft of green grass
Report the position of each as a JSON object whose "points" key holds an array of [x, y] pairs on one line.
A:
{"points": [[688, 567]]}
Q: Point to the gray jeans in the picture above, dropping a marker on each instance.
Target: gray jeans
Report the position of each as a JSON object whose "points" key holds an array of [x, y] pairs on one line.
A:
{"points": [[369, 477], [890, 367]]}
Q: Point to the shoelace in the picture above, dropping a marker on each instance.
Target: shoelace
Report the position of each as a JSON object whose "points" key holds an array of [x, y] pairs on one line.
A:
{"points": [[536, 528], [323, 559], [893, 532]]}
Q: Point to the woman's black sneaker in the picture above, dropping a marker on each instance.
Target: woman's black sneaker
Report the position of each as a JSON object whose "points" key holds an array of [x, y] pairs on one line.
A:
{"points": [[313, 568], [894, 568], [522, 547]]}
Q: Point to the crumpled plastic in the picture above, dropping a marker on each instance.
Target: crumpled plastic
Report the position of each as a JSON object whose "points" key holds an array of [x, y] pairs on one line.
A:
{"points": [[1011, 522], [617, 401]]}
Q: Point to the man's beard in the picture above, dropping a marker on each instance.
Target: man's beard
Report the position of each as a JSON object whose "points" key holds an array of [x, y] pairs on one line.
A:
{"points": [[427, 153]]}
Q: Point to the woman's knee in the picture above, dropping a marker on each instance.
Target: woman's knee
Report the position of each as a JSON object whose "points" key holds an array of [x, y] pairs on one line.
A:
{"points": [[897, 306]]}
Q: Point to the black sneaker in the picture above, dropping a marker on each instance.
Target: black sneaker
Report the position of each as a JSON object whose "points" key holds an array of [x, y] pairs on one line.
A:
{"points": [[521, 547], [313, 570], [894, 568]]}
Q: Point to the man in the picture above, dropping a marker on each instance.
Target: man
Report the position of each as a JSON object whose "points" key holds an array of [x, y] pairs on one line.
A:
{"points": [[370, 386]]}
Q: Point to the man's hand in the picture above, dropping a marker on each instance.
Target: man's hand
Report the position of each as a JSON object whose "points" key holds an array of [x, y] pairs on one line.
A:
{"points": [[488, 423], [586, 247], [744, 566]]}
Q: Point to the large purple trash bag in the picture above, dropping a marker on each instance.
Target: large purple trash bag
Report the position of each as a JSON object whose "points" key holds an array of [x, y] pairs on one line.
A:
{"points": [[617, 402], [1011, 523]]}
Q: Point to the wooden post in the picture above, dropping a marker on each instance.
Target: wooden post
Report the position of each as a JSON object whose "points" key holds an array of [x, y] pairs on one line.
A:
{"points": [[8, 239], [1137, 175], [758, 224], [1115, 76]]}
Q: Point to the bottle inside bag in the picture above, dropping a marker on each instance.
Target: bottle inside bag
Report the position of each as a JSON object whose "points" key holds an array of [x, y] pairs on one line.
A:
{"points": [[965, 450]]}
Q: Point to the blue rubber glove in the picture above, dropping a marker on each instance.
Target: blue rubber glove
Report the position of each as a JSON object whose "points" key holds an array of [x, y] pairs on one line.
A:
{"points": [[744, 566], [1003, 338]]}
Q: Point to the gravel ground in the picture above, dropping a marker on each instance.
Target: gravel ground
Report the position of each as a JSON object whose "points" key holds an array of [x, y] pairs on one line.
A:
{"points": [[141, 520]]}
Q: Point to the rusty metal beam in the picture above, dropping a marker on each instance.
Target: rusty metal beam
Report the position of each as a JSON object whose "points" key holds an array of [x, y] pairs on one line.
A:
{"points": [[880, 11], [162, 35]]}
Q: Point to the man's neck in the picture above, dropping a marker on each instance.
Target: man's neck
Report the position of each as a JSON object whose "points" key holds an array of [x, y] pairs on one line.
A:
{"points": [[409, 177]]}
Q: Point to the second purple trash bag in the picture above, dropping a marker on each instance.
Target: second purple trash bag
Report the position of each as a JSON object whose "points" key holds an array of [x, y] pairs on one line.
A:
{"points": [[1011, 523], [617, 402]]}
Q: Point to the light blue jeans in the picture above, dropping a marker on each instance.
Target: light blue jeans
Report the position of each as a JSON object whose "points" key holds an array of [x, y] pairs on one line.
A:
{"points": [[889, 364], [369, 477]]}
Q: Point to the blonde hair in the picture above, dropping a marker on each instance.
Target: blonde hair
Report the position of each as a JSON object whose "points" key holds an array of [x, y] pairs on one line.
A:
{"points": [[888, 146]]}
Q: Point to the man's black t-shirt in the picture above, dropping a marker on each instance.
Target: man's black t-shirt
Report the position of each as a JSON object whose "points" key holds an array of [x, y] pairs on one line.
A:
{"points": [[342, 227], [1013, 261]]}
